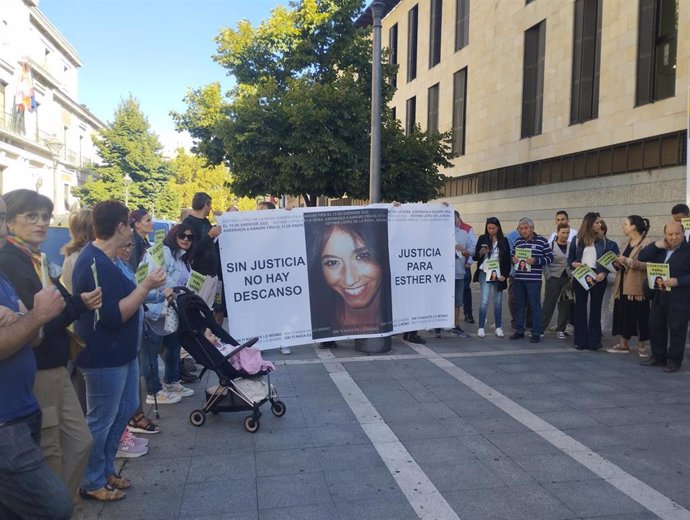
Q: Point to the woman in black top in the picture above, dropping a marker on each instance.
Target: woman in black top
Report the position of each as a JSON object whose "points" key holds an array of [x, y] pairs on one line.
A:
{"points": [[492, 245], [142, 225]]}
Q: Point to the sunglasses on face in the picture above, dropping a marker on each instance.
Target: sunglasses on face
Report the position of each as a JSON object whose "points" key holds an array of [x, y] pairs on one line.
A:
{"points": [[185, 236], [33, 216]]}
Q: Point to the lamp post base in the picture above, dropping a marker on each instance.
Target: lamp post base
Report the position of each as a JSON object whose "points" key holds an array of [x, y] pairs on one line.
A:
{"points": [[373, 345]]}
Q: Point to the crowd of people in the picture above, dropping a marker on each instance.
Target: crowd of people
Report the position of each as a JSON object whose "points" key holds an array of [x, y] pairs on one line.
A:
{"points": [[523, 262], [74, 347]]}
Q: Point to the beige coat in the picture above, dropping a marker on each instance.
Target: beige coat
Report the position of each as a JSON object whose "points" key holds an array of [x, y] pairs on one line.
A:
{"points": [[634, 274]]}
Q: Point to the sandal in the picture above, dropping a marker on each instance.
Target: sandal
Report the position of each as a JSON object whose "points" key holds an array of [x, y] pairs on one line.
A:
{"points": [[139, 423], [105, 494], [119, 482]]}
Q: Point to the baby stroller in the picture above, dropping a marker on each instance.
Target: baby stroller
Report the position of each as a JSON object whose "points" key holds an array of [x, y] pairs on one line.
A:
{"points": [[232, 394]]}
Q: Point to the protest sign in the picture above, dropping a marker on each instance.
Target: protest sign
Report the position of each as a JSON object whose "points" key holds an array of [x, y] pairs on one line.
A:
{"points": [[492, 268], [657, 274], [317, 274], [523, 254], [607, 260], [586, 276]]}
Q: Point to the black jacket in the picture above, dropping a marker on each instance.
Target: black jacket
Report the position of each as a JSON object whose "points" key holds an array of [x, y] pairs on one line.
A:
{"points": [[205, 257], [503, 259], [139, 247], [679, 267], [53, 351]]}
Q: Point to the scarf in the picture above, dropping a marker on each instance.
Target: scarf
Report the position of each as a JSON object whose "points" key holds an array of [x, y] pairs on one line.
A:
{"points": [[33, 252]]}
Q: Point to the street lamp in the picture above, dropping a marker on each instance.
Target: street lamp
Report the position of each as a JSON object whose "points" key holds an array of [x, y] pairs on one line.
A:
{"points": [[375, 345], [54, 146], [127, 180]]}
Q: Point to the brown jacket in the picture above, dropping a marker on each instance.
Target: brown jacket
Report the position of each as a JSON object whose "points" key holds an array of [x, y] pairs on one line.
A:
{"points": [[634, 274]]}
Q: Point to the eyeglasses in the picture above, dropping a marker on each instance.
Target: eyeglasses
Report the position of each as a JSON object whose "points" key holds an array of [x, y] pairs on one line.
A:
{"points": [[185, 236], [32, 217]]}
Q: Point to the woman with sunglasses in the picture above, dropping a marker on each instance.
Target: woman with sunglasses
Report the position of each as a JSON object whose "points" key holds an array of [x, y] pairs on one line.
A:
{"points": [[492, 245], [65, 437], [177, 244]]}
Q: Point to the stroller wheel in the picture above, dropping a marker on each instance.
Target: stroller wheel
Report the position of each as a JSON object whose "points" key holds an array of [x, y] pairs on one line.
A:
{"points": [[278, 408], [197, 418], [251, 424]]}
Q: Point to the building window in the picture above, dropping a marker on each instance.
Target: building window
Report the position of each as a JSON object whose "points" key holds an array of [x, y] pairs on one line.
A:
{"points": [[657, 38], [462, 23], [432, 110], [584, 101], [533, 80], [436, 19], [412, 19], [411, 116], [459, 111], [528, 2], [394, 113], [393, 51]]}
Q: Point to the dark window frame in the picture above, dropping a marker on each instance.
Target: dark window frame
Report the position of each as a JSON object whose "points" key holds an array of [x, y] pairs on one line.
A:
{"points": [[432, 112], [584, 99], [462, 24], [410, 115], [533, 80], [648, 85], [459, 112], [435, 32], [393, 51], [412, 42]]}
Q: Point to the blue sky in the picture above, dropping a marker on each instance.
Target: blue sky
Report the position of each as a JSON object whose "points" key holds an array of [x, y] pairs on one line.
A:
{"points": [[153, 49]]}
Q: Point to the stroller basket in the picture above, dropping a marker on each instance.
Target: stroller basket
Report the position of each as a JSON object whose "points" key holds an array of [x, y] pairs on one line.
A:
{"points": [[236, 390]]}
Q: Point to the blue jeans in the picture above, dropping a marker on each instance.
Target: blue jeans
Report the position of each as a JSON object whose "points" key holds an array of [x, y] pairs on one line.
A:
{"points": [[30, 489], [486, 288], [527, 293], [112, 396]]}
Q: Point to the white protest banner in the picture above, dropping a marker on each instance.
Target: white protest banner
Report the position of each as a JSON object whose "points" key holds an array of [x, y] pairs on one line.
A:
{"points": [[316, 274]]}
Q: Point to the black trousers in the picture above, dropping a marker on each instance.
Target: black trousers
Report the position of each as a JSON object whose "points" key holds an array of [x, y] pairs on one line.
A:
{"points": [[667, 329], [588, 328]]}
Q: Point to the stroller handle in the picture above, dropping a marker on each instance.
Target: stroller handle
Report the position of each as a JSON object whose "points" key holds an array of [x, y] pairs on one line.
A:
{"points": [[182, 289]]}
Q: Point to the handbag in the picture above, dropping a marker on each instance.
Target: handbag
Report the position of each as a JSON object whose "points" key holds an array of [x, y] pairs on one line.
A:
{"points": [[172, 321]]}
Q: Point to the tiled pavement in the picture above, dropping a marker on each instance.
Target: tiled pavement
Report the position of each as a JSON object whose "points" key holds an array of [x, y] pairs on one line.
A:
{"points": [[528, 432]]}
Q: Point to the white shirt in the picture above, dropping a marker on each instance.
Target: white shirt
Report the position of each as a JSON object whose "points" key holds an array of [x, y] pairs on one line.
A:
{"points": [[589, 256]]}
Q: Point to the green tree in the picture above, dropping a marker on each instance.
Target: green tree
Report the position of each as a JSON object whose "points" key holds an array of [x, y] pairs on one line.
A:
{"points": [[129, 147], [298, 120], [191, 175]]}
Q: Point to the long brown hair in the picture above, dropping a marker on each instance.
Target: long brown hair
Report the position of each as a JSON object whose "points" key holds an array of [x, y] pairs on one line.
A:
{"points": [[586, 234], [80, 230]]}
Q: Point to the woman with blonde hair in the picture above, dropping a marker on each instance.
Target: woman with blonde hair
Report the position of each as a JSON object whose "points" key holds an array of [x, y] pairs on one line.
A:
{"points": [[81, 233]]}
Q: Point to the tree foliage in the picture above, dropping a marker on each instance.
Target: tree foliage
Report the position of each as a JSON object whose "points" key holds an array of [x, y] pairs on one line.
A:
{"points": [[191, 175], [129, 147], [298, 120]]}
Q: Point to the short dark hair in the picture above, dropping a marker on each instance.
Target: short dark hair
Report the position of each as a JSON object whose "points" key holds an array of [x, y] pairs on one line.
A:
{"points": [[678, 208], [106, 216], [267, 204], [23, 201], [199, 200], [563, 212], [562, 225]]}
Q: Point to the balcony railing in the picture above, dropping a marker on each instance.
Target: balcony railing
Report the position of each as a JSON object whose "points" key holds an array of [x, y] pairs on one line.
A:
{"points": [[19, 125]]}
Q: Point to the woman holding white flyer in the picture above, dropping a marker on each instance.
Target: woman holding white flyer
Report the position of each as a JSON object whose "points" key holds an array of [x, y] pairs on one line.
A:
{"points": [[586, 248], [630, 308], [492, 255]]}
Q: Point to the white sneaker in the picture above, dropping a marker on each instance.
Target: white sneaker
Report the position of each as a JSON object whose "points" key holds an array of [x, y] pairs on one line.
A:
{"points": [[285, 351], [499, 332], [178, 389], [480, 333], [129, 437], [163, 397]]}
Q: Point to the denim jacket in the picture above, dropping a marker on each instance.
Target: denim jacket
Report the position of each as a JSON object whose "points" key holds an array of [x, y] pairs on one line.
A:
{"points": [[601, 246]]}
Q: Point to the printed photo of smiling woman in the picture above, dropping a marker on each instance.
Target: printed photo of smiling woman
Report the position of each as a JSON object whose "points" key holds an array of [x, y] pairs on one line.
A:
{"points": [[349, 273]]}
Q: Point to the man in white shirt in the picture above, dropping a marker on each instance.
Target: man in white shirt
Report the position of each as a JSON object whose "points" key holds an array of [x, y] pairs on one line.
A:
{"points": [[562, 218]]}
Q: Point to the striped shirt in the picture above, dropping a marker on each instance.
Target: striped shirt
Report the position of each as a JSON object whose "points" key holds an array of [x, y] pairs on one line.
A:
{"points": [[541, 252]]}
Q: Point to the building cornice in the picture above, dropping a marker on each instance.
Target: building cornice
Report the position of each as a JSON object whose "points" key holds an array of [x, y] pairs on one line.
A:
{"points": [[50, 31]]}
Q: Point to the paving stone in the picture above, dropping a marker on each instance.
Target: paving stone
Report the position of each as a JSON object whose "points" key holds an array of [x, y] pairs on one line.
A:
{"points": [[219, 498], [593, 498], [310, 512], [376, 509], [237, 465], [287, 462], [362, 484], [466, 474], [554, 468], [292, 490]]}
